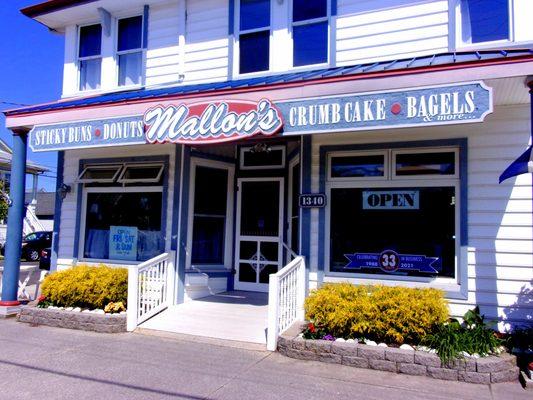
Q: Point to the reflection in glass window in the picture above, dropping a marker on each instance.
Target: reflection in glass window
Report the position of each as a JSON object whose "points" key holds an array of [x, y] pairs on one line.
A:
{"points": [[254, 36], [138, 213], [99, 173], [210, 207], [141, 173], [484, 20], [254, 52], [259, 208], [310, 32], [441, 163], [254, 14], [358, 166], [424, 228], [89, 56], [129, 51]]}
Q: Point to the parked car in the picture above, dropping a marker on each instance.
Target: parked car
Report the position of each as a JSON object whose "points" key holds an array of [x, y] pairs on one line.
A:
{"points": [[44, 261], [33, 243]]}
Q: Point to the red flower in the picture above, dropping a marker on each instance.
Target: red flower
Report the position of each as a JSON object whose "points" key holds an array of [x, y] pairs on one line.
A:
{"points": [[41, 298], [311, 327]]}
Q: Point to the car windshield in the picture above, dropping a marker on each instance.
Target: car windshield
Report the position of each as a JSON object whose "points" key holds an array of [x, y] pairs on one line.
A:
{"points": [[37, 236], [31, 236]]}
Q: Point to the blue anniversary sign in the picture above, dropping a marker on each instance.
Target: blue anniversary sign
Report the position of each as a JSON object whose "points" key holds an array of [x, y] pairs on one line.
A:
{"points": [[389, 261], [222, 121]]}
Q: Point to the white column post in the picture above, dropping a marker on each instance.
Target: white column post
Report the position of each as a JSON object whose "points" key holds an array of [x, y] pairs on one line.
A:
{"points": [[300, 314], [273, 312], [171, 278], [133, 298]]}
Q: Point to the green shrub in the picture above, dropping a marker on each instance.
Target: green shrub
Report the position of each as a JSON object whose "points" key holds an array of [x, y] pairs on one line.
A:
{"points": [[382, 313], [86, 287], [474, 336]]}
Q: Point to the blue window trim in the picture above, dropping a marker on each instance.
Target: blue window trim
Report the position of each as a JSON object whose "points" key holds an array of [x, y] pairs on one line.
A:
{"points": [[305, 213], [183, 221], [174, 242], [57, 209], [333, 8], [82, 162], [461, 143], [231, 25], [146, 13]]}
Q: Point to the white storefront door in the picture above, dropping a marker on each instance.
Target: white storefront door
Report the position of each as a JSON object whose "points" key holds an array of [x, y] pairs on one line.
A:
{"points": [[258, 245]]}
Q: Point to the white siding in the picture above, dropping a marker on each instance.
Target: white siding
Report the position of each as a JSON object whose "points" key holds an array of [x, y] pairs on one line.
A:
{"points": [[70, 175], [499, 258], [207, 41], [163, 52], [370, 31]]}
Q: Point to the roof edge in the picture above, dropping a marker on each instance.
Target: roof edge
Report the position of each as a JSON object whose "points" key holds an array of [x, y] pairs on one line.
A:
{"points": [[51, 6], [30, 110]]}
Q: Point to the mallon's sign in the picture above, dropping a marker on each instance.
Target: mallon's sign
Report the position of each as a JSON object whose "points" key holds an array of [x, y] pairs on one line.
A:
{"points": [[223, 121], [211, 122]]}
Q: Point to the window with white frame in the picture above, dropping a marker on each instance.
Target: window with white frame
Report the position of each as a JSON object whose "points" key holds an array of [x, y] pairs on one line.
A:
{"points": [[210, 215], [484, 21], [386, 218], [89, 56], [122, 218], [254, 35], [262, 157], [129, 50], [310, 32], [266, 30]]}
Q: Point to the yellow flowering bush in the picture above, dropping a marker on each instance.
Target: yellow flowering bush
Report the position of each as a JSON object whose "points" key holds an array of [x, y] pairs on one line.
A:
{"points": [[391, 314], [86, 287]]}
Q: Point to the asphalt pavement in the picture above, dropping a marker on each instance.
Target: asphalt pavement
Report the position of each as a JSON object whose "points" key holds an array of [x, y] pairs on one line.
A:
{"points": [[38, 362]]}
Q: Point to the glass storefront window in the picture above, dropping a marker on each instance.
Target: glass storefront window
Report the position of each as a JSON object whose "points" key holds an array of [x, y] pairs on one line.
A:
{"points": [[400, 231], [372, 165], [210, 207], [123, 225], [394, 212], [426, 163]]}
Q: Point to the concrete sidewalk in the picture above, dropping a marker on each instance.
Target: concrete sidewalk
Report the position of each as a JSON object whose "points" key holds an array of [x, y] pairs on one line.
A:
{"points": [[50, 363]]}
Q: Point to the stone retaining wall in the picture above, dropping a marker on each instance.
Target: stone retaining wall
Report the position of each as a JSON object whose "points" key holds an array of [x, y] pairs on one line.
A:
{"points": [[484, 370], [105, 323]]}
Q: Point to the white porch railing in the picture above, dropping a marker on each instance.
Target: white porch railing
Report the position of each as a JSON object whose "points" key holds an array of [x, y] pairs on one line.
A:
{"points": [[150, 288], [286, 296]]}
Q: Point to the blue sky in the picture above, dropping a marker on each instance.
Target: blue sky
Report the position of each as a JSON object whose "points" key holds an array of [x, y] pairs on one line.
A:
{"points": [[31, 68]]}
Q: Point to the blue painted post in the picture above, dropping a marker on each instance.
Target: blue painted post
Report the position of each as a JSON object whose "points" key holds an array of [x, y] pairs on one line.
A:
{"points": [[305, 213], [15, 220]]}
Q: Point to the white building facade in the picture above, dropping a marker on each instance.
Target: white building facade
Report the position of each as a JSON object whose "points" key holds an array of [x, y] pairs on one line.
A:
{"points": [[368, 137]]}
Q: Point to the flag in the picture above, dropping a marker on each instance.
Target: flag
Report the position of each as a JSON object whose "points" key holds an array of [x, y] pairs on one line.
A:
{"points": [[521, 165]]}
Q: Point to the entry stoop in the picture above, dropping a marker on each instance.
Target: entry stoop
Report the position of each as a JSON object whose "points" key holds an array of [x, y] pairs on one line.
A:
{"points": [[237, 315]]}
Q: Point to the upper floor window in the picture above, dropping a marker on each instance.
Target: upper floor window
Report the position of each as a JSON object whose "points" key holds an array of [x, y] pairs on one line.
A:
{"points": [[254, 36], [90, 56], [310, 32], [129, 51], [484, 21], [273, 35]]}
